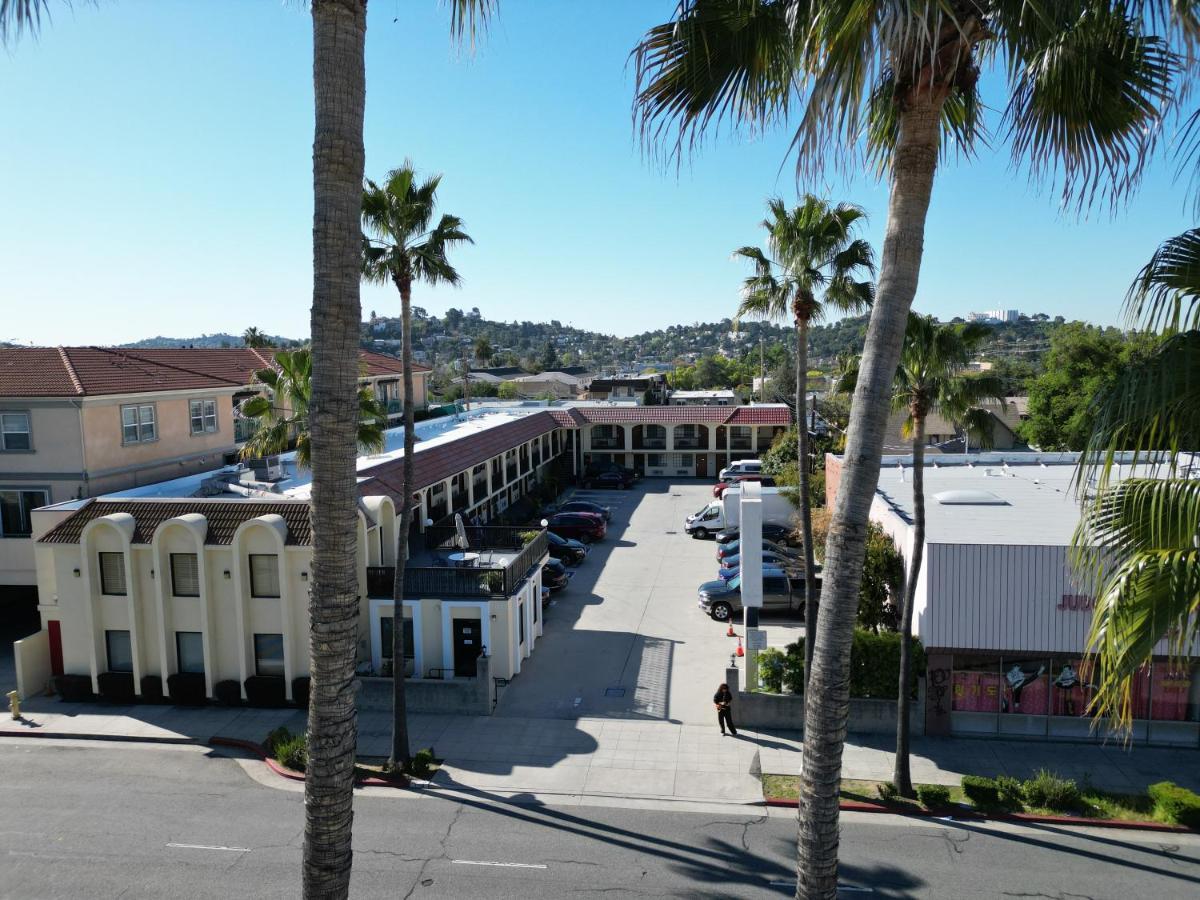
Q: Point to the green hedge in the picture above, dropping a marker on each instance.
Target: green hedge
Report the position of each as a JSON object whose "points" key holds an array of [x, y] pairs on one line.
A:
{"points": [[874, 664], [933, 796], [1174, 804], [1048, 791], [981, 791]]}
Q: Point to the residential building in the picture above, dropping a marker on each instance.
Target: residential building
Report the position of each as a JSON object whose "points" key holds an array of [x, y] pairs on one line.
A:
{"points": [[1002, 617], [84, 421], [703, 398], [552, 384], [945, 436], [649, 389]]}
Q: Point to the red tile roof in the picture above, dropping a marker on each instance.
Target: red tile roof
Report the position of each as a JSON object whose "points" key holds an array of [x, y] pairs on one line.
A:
{"points": [[439, 463], [224, 517], [93, 371], [760, 415], [674, 415]]}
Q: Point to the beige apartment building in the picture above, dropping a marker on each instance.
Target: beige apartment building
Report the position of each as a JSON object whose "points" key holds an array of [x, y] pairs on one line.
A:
{"points": [[83, 421]]}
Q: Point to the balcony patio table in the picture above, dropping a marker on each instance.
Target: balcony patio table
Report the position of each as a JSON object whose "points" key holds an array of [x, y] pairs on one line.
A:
{"points": [[464, 560]]}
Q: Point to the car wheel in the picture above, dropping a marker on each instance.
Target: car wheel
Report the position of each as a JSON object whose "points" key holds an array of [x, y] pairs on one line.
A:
{"points": [[721, 612], [700, 534]]}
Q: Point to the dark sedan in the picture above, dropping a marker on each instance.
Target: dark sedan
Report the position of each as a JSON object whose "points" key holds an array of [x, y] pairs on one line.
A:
{"points": [[585, 527], [564, 549], [554, 575], [580, 506], [776, 533], [613, 479]]}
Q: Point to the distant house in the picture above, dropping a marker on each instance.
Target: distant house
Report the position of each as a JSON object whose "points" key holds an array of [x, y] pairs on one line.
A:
{"points": [[556, 384], [703, 398], [942, 436], [651, 389]]}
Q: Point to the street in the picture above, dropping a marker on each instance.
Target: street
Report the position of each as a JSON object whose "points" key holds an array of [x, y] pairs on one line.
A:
{"points": [[108, 820]]}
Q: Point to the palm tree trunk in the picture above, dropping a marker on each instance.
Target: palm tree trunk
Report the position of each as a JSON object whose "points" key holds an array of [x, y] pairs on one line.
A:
{"points": [[901, 777], [400, 755], [827, 700], [339, 80], [810, 566]]}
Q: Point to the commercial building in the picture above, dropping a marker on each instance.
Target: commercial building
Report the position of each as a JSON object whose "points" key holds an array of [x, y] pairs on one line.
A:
{"points": [[85, 421], [1003, 621]]}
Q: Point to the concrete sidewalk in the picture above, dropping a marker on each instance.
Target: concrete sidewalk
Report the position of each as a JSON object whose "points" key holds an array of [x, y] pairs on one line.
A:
{"points": [[629, 758]]}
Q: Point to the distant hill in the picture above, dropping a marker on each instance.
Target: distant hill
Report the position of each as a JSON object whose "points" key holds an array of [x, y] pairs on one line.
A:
{"points": [[204, 341]]}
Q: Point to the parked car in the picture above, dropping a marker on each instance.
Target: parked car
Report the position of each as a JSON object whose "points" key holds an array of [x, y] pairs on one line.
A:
{"points": [[564, 549], [769, 558], [741, 467], [580, 506], [727, 572], [723, 599], [599, 468], [770, 532], [581, 526], [721, 487], [545, 596], [735, 546], [555, 575], [612, 479]]}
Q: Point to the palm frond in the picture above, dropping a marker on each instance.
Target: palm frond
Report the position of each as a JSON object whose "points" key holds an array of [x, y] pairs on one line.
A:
{"points": [[1166, 293]]}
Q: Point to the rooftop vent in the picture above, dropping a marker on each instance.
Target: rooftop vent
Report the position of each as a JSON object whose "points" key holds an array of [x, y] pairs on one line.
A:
{"points": [[969, 498]]}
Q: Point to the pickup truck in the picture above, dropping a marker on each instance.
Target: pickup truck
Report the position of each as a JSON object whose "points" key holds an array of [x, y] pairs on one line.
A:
{"points": [[722, 599]]}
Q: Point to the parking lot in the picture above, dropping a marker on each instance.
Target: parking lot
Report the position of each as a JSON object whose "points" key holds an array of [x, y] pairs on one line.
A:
{"points": [[625, 639]]}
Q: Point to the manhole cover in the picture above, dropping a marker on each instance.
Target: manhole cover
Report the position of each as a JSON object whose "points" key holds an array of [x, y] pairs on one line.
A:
{"points": [[614, 692]]}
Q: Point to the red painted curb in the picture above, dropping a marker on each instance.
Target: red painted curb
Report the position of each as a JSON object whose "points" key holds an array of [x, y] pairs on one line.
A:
{"points": [[960, 813], [274, 765]]}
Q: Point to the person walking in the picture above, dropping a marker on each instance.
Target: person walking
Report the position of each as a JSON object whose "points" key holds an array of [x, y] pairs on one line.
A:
{"points": [[722, 700]]}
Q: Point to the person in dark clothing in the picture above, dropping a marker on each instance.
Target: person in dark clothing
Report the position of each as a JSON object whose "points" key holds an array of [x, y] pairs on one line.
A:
{"points": [[722, 700]]}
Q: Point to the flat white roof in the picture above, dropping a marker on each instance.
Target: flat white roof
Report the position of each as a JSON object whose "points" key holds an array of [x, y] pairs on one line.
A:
{"points": [[1020, 501]]}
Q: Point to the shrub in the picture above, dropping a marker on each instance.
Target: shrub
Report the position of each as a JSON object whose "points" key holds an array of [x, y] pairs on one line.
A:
{"points": [[981, 791], [74, 688], [1051, 792], [300, 690], [116, 687], [1175, 804], [186, 688], [276, 737], [266, 690], [887, 791], [422, 763], [492, 581], [228, 693], [1010, 791], [152, 689], [770, 670], [933, 796], [528, 537], [874, 664], [292, 753]]}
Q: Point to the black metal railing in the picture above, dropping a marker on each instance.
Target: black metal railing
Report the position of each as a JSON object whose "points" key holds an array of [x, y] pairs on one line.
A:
{"points": [[380, 581], [608, 443]]}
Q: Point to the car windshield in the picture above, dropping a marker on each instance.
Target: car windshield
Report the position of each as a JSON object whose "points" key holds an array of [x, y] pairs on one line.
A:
{"points": [[554, 538], [736, 582]]}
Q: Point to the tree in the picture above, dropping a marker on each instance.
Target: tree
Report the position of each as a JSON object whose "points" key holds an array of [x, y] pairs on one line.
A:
{"points": [[403, 244], [283, 411], [1083, 362], [483, 350], [890, 81], [507, 391], [810, 266], [252, 337], [549, 361], [1135, 548]]}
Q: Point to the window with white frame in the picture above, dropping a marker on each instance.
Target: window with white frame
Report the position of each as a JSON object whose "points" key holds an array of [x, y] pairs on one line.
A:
{"points": [[14, 431], [112, 574], [185, 575], [264, 575], [203, 416], [139, 424], [120, 651], [16, 506], [268, 654], [189, 651]]}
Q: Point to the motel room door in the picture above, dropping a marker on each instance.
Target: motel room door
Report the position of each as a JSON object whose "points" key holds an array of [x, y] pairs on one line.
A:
{"points": [[701, 465], [468, 641]]}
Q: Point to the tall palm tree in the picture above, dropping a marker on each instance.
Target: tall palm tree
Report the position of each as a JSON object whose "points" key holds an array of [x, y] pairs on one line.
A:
{"points": [[931, 377], [252, 337], [402, 244], [809, 268], [283, 411], [483, 350], [1135, 547], [891, 80]]}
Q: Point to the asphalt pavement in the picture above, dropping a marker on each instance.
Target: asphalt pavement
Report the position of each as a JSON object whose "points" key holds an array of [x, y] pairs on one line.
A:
{"points": [[151, 821]]}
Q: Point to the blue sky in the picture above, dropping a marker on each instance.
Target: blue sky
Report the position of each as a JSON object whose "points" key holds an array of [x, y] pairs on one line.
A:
{"points": [[157, 180]]}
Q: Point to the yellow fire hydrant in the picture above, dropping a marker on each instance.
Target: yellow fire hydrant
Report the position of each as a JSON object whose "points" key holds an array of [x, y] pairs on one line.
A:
{"points": [[14, 704]]}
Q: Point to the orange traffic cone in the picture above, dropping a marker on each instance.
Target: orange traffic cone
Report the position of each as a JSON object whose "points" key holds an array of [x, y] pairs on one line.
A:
{"points": [[730, 633], [740, 651]]}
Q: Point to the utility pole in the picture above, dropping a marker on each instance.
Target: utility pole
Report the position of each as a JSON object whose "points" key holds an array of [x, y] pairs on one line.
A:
{"points": [[762, 371], [466, 381]]}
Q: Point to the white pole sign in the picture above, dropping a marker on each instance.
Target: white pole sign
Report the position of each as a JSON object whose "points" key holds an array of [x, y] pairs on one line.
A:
{"points": [[750, 543]]}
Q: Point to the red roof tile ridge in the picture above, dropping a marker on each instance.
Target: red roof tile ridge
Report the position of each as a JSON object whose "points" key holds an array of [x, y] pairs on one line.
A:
{"points": [[267, 362], [71, 373], [128, 354]]}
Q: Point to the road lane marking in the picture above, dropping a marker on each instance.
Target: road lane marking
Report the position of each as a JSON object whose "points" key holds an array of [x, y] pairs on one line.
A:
{"points": [[502, 865], [209, 847]]}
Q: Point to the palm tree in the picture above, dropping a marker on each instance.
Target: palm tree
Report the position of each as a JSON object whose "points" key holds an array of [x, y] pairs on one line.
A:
{"points": [[282, 411], [930, 378], [811, 249], [483, 350], [1135, 548], [889, 81], [402, 244], [252, 337]]}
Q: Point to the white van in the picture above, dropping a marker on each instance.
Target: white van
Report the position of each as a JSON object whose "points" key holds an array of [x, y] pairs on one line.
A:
{"points": [[741, 467]]}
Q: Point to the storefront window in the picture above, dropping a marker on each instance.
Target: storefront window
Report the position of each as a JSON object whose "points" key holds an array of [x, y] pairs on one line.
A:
{"points": [[1170, 690], [977, 684], [1026, 686], [1071, 688]]}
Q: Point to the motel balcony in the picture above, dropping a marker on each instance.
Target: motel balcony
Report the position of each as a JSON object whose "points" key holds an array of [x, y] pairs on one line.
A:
{"points": [[492, 565]]}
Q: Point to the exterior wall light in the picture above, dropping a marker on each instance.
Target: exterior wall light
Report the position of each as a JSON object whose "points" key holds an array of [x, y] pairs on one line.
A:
{"points": [[227, 575], [75, 572], [304, 575]]}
